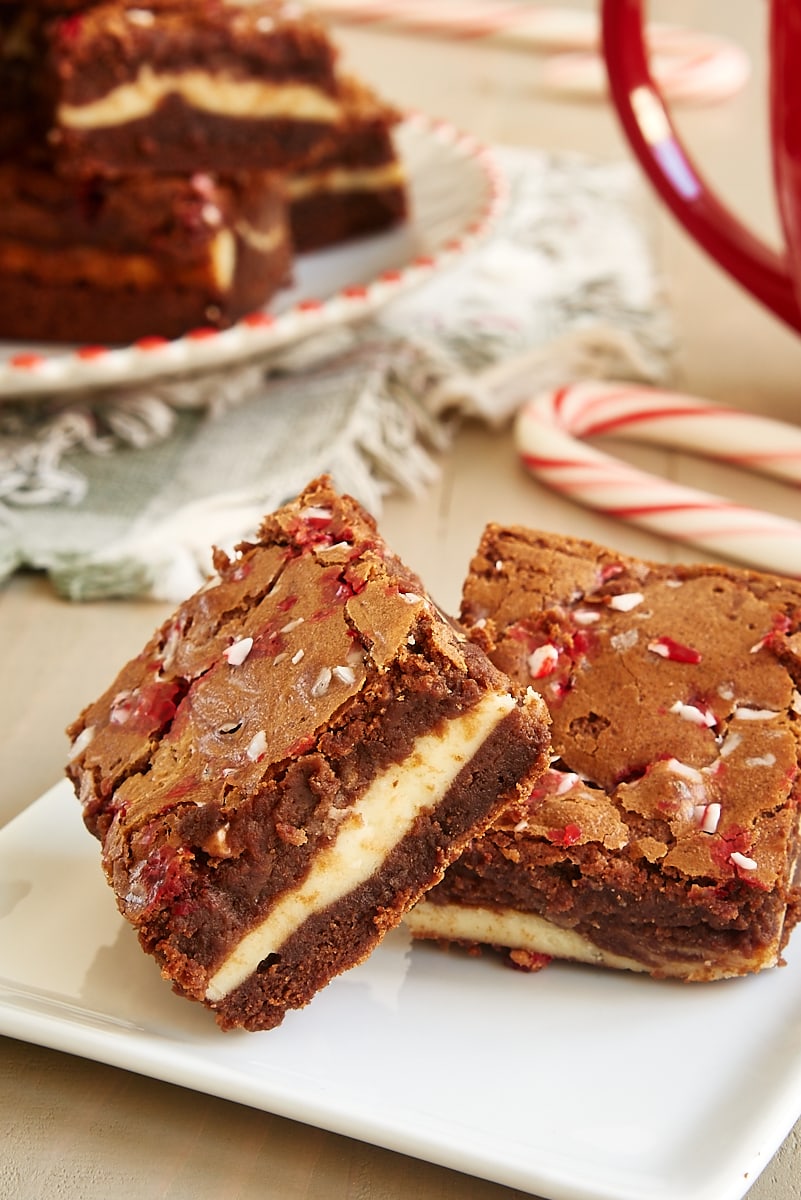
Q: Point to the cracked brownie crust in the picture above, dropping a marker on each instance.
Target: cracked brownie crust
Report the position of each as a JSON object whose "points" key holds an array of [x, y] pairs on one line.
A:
{"points": [[665, 835], [295, 756]]}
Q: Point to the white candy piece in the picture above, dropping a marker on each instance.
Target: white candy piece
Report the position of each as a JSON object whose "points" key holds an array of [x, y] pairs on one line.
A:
{"points": [[626, 601], [236, 653]]}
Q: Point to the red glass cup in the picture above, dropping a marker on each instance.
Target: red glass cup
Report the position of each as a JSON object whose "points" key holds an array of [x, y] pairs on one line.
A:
{"points": [[772, 277]]}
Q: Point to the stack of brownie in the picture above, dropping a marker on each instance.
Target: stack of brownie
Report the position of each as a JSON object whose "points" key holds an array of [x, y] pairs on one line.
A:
{"points": [[156, 161]]}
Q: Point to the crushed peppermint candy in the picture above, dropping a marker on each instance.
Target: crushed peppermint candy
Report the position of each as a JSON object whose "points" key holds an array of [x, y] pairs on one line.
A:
{"points": [[121, 708], [290, 625], [410, 597], [691, 774], [586, 616], [297, 656], [217, 844], [781, 624], [237, 652], [568, 835], [709, 817], [674, 651], [742, 713], [345, 675], [81, 742], [322, 683], [694, 714], [543, 661], [625, 640], [730, 744], [763, 760], [626, 601], [258, 746], [743, 861], [315, 514], [211, 215]]}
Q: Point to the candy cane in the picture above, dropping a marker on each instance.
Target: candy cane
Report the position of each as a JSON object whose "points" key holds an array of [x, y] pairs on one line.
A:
{"points": [[689, 65], [547, 433], [704, 74]]}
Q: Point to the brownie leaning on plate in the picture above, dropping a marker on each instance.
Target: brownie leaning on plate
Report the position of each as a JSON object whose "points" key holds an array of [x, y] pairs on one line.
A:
{"points": [[665, 835], [293, 758]]}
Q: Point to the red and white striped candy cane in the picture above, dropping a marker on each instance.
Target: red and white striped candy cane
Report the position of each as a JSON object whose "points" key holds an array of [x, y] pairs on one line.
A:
{"points": [[689, 65], [549, 433]]}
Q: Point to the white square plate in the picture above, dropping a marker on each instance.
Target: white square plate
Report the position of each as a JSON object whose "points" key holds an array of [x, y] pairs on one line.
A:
{"points": [[574, 1083]]}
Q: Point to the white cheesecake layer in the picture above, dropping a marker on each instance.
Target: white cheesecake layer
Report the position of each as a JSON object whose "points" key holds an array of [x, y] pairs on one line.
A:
{"points": [[208, 92], [371, 829], [263, 241], [511, 929]]}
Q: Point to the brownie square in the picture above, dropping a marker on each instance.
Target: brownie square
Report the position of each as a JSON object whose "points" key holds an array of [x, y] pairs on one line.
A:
{"points": [[296, 755], [113, 260], [177, 87], [665, 835]]}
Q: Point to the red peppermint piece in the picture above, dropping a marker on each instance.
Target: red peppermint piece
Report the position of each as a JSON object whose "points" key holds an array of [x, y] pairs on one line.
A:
{"points": [[70, 27], [568, 836], [543, 661], [666, 647]]}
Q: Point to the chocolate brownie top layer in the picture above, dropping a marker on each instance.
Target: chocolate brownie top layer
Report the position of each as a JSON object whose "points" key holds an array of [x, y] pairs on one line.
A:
{"points": [[96, 52], [304, 720], [673, 691]]}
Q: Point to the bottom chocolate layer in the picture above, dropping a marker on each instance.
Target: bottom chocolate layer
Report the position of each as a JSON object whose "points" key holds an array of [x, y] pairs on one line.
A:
{"points": [[325, 218], [344, 934]]}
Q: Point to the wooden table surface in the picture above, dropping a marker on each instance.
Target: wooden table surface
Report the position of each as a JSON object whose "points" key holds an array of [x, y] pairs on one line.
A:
{"points": [[78, 1130]]}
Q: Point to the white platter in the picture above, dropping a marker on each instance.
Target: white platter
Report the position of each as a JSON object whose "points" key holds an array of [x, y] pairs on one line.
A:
{"points": [[455, 193], [573, 1084]]}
